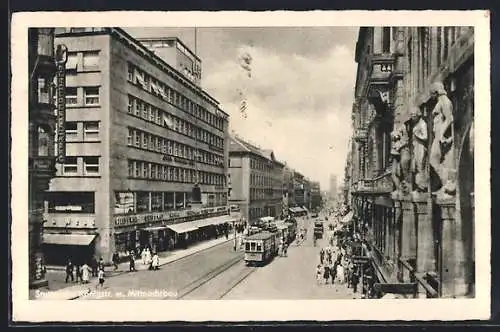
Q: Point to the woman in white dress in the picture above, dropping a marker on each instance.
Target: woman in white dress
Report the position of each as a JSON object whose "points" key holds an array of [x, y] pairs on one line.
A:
{"points": [[340, 273], [85, 273]]}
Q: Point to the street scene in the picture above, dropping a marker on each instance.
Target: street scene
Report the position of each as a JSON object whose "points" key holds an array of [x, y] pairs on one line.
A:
{"points": [[251, 163]]}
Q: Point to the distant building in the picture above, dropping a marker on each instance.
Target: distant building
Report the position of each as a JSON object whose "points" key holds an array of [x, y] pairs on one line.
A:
{"points": [[333, 186], [256, 180], [140, 136], [316, 197]]}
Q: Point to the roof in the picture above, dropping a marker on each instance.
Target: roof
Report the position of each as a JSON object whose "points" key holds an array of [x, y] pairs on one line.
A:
{"points": [[237, 144], [260, 236]]}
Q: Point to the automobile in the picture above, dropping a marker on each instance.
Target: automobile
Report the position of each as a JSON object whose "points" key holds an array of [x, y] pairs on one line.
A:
{"points": [[314, 215]]}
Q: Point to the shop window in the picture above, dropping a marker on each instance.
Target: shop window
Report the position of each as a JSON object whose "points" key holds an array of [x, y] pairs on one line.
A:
{"points": [[91, 60], [179, 200], [71, 95], [124, 202], [71, 129], [70, 202], [91, 95], [70, 165], [168, 204], [156, 202], [142, 201], [91, 165], [91, 130]]}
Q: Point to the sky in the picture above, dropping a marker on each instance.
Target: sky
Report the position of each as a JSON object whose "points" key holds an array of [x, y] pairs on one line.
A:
{"points": [[300, 93]]}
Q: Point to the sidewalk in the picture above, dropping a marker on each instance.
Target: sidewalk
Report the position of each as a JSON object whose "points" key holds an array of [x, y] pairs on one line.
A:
{"points": [[71, 291]]}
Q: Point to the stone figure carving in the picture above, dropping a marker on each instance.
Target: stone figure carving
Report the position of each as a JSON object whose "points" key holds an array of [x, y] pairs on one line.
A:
{"points": [[401, 160], [419, 145], [442, 152]]}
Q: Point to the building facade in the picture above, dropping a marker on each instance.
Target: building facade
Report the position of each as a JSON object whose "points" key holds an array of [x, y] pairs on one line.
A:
{"points": [[256, 180], [146, 151], [333, 186], [316, 198], [42, 155], [410, 168]]}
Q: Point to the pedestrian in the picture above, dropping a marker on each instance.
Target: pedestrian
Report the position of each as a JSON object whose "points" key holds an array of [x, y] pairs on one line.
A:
{"points": [[77, 272], [131, 266], [319, 274], [69, 271], [85, 273], [280, 249], [285, 249], [100, 265], [326, 273], [321, 256], [100, 275], [155, 262], [93, 266], [340, 274], [355, 281], [116, 259], [333, 272], [148, 256]]}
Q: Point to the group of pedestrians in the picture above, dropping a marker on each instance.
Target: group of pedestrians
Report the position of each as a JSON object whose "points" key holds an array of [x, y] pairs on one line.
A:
{"points": [[283, 248], [336, 266], [151, 259], [84, 272]]}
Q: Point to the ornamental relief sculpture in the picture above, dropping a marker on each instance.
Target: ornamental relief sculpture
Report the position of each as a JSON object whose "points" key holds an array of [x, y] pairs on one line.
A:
{"points": [[400, 153], [419, 150], [442, 152]]}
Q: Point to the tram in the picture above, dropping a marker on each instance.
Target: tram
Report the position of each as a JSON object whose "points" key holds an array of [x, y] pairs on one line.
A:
{"points": [[260, 248]]}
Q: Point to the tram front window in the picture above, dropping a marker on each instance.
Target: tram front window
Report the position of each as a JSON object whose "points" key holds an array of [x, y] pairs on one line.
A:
{"points": [[259, 247], [252, 246], [247, 246]]}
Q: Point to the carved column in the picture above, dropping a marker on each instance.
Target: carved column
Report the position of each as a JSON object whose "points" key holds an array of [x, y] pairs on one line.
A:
{"points": [[453, 278], [408, 235]]}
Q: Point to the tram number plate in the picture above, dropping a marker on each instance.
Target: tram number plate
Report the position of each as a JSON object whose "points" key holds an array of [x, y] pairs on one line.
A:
{"points": [[253, 255]]}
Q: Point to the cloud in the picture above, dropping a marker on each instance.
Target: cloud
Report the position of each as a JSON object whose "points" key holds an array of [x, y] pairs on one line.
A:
{"points": [[298, 106]]}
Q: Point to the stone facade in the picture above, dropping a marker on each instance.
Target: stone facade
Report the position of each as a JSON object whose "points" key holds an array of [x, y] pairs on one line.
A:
{"points": [[411, 148]]}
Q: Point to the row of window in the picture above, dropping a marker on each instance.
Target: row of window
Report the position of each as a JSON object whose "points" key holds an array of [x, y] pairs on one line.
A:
{"points": [[147, 141], [264, 181], [90, 96], [258, 193], [82, 61], [162, 90], [90, 166], [163, 118], [152, 171], [90, 130], [261, 164]]}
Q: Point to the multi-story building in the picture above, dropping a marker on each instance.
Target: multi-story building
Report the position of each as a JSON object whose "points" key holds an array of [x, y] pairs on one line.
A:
{"points": [[288, 189], [146, 151], [412, 159], [42, 127], [333, 186], [316, 199], [299, 187], [256, 180]]}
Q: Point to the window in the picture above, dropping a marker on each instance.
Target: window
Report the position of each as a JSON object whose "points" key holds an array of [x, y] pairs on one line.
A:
{"points": [[130, 108], [386, 40], [145, 140], [72, 62], [131, 165], [91, 95], [153, 171], [130, 73], [163, 145], [137, 135], [91, 130], [158, 116], [71, 129], [71, 96], [91, 165], [70, 165], [138, 107], [147, 85], [138, 168], [130, 137], [145, 170], [152, 114], [145, 111], [91, 60], [71, 202]]}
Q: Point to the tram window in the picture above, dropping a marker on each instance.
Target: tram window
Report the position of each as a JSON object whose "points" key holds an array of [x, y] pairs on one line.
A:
{"points": [[259, 247], [247, 246], [252, 246]]}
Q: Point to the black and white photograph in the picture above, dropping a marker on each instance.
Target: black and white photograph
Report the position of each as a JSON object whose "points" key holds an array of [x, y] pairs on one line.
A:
{"points": [[282, 161]]}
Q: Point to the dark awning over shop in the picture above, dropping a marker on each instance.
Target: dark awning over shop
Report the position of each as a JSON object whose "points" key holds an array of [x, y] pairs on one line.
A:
{"points": [[69, 239]]}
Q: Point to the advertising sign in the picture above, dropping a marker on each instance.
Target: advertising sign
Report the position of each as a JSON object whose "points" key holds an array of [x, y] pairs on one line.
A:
{"points": [[61, 58]]}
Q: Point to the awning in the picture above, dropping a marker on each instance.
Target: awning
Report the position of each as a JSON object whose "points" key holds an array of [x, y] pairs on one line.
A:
{"points": [[215, 221], [156, 228], [183, 227], [69, 239], [347, 217]]}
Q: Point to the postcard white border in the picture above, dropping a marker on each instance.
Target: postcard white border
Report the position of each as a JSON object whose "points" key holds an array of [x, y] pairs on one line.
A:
{"points": [[74, 311]]}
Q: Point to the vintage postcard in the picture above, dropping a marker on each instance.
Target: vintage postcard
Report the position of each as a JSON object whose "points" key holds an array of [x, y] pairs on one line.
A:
{"points": [[244, 166]]}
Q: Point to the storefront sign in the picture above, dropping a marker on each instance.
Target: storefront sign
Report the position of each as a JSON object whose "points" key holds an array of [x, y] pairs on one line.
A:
{"points": [[174, 216], [61, 58]]}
